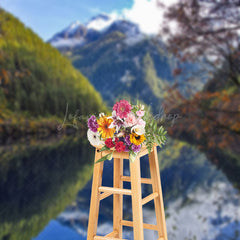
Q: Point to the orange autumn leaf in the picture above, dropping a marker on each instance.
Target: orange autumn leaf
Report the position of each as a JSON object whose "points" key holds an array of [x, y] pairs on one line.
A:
{"points": [[5, 76]]}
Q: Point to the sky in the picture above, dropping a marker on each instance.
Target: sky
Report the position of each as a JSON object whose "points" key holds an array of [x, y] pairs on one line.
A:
{"points": [[47, 17]]}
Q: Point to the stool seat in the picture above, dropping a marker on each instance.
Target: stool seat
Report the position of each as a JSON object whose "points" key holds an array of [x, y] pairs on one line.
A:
{"points": [[124, 155], [100, 192]]}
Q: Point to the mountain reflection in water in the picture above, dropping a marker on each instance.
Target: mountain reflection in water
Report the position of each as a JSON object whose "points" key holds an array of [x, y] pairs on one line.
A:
{"points": [[45, 193], [200, 202]]}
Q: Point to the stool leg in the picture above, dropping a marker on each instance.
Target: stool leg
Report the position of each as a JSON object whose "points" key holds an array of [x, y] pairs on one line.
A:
{"points": [[117, 198], [158, 202], [136, 199], [95, 197]]}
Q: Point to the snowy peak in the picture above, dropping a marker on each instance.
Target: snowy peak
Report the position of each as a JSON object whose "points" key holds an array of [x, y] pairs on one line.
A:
{"points": [[125, 27], [73, 26], [77, 34], [100, 22], [101, 16]]}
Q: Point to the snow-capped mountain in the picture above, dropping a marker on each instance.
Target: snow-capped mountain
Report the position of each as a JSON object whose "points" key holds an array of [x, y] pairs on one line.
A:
{"points": [[118, 59], [100, 22], [73, 35], [77, 34]]}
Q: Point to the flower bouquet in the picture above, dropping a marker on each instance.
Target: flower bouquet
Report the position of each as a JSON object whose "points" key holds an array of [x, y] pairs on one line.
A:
{"points": [[126, 130]]}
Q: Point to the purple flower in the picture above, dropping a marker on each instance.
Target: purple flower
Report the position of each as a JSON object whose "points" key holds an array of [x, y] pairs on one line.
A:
{"points": [[126, 148], [136, 148], [92, 123], [127, 140]]}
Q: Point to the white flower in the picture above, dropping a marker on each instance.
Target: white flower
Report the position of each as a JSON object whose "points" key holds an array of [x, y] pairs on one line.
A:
{"points": [[120, 134], [101, 114], [138, 129], [94, 138], [116, 121], [114, 114], [112, 125]]}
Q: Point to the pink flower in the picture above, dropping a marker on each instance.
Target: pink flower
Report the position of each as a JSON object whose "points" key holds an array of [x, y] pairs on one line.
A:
{"points": [[130, 120], [141, 122], [140, 113], [122, 108]]}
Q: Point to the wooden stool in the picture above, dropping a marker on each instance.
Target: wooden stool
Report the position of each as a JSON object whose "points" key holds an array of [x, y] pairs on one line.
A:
{"points": [[100, 192]]}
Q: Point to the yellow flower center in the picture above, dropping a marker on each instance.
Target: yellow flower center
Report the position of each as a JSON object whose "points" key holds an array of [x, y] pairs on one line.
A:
{"points": [[137, 139]]}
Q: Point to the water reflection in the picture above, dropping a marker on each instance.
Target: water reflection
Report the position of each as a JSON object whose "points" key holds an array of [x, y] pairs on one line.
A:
{"points": [[45, 192], [200, 201], [38, 179]]}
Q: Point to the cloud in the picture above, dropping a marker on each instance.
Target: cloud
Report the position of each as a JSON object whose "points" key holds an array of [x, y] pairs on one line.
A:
{"points": [[147, 14]]}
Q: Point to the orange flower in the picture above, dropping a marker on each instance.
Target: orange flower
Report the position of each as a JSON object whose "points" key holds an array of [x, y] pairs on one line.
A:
{"points": [[104, 123]]}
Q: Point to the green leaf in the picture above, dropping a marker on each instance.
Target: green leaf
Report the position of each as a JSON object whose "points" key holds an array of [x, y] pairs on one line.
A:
{"points": [[155, 127], [151, 123], [110, 156], [107, 157], [104, 148], [159, 142], [132, 156]]}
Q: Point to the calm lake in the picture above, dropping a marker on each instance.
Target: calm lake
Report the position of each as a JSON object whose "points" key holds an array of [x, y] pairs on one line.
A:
{"points": [[45, 188]]}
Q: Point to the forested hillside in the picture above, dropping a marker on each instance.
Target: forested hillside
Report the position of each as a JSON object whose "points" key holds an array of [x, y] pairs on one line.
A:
{"points": [[35, 79]]}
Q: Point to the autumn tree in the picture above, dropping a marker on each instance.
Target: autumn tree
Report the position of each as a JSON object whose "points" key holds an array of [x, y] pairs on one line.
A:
{"points": [[206, 31]]}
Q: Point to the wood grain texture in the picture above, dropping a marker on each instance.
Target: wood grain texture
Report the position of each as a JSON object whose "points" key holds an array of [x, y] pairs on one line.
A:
{"points": [[112, 234], [95, 197], [117, 198], [136, 199], [145, 225], [149, 198], [158, 201], [115, 190], [107, 238], [143, 180], [100, 192]]}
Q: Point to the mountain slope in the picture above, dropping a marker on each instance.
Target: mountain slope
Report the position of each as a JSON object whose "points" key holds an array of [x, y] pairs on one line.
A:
{"points": [[121, 61], [116, 68], [36, 79]]}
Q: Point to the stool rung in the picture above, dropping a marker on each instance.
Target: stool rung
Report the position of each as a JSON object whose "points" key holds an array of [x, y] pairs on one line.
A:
{"points": [[143, 180], [115, 190], [145, 225], [112, 234], [107, 238], [149, 198], [105, 195]]}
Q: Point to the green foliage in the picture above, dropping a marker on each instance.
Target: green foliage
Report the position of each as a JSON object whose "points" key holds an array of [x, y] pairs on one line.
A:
{"points": [[40, 80], [104, 148], [169, 156], [154, 82], [154, 133], [132, 156], [106, 157]]}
